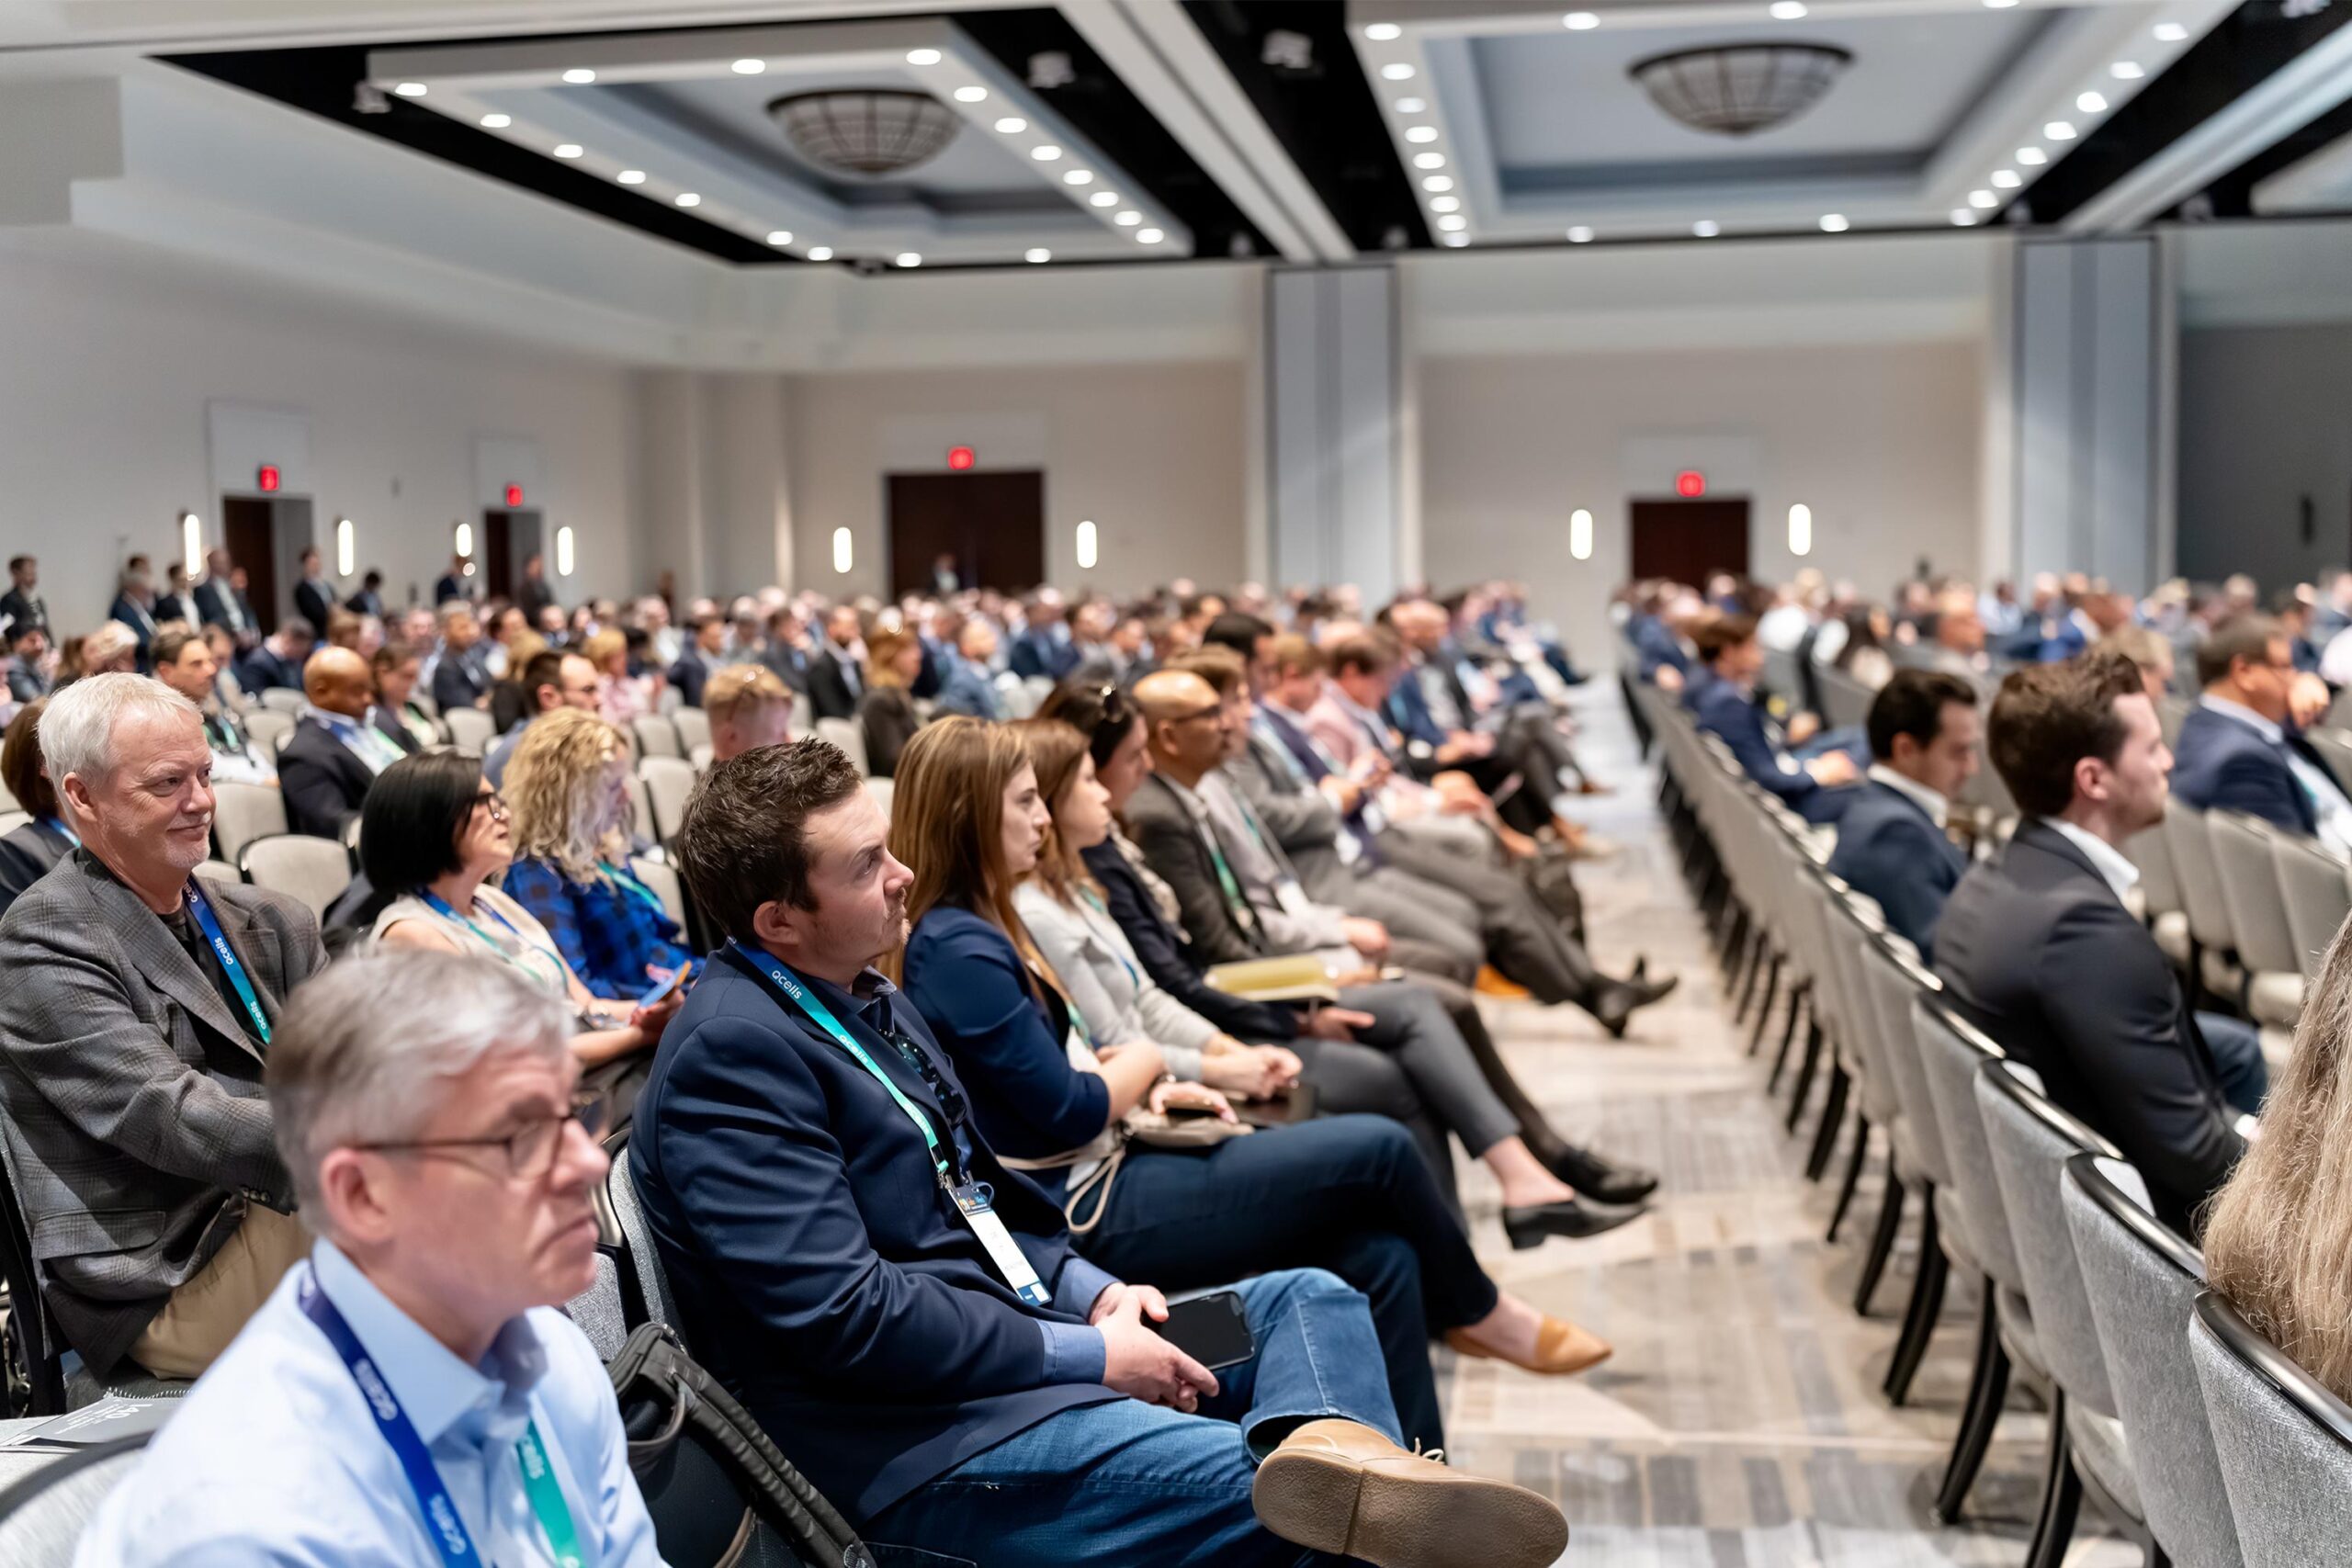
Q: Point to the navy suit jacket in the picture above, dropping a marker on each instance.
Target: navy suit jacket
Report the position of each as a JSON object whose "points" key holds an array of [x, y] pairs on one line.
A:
{"points": [[822, 1275], [213, 597], [1034, 653], [2223, 763], [1655, 643], [1889, 848], [1408, 710], [1723, 709]]}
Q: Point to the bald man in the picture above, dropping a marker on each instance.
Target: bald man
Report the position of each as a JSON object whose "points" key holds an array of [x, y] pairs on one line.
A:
{"points": [[327, 764]]}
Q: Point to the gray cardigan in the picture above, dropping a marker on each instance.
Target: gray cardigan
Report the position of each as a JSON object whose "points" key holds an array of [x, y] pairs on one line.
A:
{"points": [[1098, 969]]}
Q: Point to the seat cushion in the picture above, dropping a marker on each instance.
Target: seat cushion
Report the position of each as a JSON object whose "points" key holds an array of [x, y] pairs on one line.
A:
{"points": [[2100, 1450], [2275, 998], [2172, 935]]}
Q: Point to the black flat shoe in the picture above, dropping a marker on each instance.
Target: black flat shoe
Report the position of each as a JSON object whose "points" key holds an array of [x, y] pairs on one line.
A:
{"points": [[1618, 1001], [1593, 1176], [1574, 1218]]}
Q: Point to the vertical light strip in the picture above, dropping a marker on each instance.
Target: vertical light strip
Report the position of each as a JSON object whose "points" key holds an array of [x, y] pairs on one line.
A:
{"points": [[1086, 546], [346, 547], [1800, 530], [563, 552], [842, 556], [192, 544], [466, 540], [1580, 534]]}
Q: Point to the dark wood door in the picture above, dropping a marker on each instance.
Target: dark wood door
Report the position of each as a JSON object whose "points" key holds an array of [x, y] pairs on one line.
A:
{"points": [[248, 531], [994, 525], [495, 555], [1686, 540]]}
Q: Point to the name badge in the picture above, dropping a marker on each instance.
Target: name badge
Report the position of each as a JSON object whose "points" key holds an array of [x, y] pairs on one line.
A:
{"points": [[978, 1205], [1293, 899]]}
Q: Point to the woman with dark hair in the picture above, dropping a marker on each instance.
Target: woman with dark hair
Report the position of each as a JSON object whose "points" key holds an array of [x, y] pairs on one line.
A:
{"points": [[1348, 1193], [27, 853], [432, 838], [1863, 654], [887, 711]]}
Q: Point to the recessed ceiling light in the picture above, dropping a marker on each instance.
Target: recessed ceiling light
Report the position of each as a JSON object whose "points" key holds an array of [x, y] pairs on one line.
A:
{"points": [[971, 95], [910, 258], [1148, 236], [496, 121], [568, 149], [411, 89], [1384, 32], [1128, 218], [1445, 204], [2170, 32], [580, 76], [1411, 106], [1037, 257], [1079, 177], [1984, 199], [1580, 21], [687, 199], [2058, 130], [1706, 228], [1420, 133], [2032, 157], [2007, 180], [1046, 153], [779, 236], [1834, 223], [2127, 71], [922, 57], [1788, 10], [2091, 103], [1438, 182], [1398, 71], [820, 253], [1457, 239], [1429, 160], [1579, 235], [1011, 125], [1999, 5], [1453, 223], [749, 67], [1963, 217], [1104, 198], [631, 176]]}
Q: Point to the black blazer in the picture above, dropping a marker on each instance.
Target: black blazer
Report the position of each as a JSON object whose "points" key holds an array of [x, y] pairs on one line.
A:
{"points": [[691, 673], [176, 607], [213, 598], [2035, 949], [888, 715], [325, 786], [313, 604], [139, 619], [829, 690], [459, 678], [1163, 829], [22, 609], [388, 723], [1162, 949], [26, 855]]}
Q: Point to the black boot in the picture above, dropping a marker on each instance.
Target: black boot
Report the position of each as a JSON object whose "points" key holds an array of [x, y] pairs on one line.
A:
{"points": [[1594, 1176], [1616, 1000]]}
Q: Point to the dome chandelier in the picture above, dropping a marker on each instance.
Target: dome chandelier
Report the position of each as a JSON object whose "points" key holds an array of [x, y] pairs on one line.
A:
{"points": [[1738, 89], [867, 131]]}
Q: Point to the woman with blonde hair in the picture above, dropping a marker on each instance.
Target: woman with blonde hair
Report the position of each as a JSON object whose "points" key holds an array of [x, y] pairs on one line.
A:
{"points": [[620, 696], [1348, 1193], [567, 785]]}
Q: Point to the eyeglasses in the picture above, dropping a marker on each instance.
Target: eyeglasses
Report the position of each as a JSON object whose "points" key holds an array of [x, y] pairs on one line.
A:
{"points": [[531, 1149], [493, 802]]}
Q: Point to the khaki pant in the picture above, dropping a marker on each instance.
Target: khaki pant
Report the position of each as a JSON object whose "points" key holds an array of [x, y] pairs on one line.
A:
{"points": [[205, 1312]]}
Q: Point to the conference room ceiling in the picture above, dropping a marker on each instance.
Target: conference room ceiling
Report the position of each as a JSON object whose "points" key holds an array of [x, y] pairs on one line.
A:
{"points": [[1137, 131]]}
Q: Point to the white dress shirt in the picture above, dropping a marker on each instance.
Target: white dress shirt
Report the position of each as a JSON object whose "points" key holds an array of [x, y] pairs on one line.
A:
{"points": [[2110, 862]]}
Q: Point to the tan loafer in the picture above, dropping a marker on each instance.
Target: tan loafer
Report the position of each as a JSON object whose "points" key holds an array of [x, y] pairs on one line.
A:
{"points": [[1562, 1349], [1340, 1487]]}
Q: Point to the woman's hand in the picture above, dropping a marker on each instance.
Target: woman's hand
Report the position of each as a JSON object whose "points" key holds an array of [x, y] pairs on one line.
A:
{"points": [[1167, 1096], [653, 1020], [1252, 1072]]}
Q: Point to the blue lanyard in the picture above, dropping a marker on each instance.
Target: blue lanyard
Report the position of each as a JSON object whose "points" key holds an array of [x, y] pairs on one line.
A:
{"points": [[440, 906], [783, 980], [442, 1526], [202, 909], [57, 825]]}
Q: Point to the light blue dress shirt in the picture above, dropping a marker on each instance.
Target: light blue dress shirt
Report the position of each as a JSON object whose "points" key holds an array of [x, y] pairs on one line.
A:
{"points": [[273, 1457]]}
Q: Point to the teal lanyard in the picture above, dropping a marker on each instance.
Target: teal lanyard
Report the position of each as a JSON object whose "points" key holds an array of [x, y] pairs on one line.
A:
{"points": [[442, 906], [547, 1499], [783, 980], [635, 889], [1099, 907], [202, 909]]}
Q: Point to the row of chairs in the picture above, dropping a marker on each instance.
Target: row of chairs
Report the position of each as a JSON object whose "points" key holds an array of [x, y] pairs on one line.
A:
{"points": [[2205, 1445]]}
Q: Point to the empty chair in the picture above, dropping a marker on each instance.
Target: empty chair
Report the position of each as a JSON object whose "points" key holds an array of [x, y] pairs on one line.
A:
{"points": [[2249, 878], [285, 699], [2142, 1281], [652, 1284], [269, 728], [2284, 1443], [217, 871], [662, 879], [2312, 886], [470, 730], [2214, 941], [700, 757], [657, 737], [1915, 1145], [640, 805], [803, 713], [2160, 885], [243, 812], [880, 789], [42, 1514], [314, 870], [668, 780], [10, 821], [599, 1310], [693, 726], [847, 734]]}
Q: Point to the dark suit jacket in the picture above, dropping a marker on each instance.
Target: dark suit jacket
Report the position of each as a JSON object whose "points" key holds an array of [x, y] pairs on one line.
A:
{"points": [[531, 597], [314, 601], [830, 695], [133, 1100], [25, 684], [263, 669], [1723, 709], [2221, 763], [821, 1274], [2035, 949], [1163, 829], [212, 599], [1162, 949], [139, 619], [325, 786], [365, 602], [1035, 653], [888, 715], [26, 855], [448, 586], [176, 607], [389, 723], [691, 673], [18, 609], [459, 679], [1891, 849]]}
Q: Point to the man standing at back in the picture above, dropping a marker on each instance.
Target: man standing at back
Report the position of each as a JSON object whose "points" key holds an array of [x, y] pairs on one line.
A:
{"points": [[1891, 842]]}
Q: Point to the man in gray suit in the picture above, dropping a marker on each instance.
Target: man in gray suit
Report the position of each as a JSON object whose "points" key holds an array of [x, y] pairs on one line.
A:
{"points": [[133, 1028]]}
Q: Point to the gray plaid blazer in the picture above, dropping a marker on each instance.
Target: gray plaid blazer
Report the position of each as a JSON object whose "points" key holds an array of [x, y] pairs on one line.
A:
{"points": [[130, 1098]]}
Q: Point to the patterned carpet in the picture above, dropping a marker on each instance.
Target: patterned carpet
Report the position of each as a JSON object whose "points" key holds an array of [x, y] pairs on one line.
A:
{"points": [[1740, 1422]]}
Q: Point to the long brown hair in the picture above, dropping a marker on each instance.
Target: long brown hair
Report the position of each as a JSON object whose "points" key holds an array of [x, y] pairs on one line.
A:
{"points": [[1055, 750], [2278, 1235], [947, 827]]}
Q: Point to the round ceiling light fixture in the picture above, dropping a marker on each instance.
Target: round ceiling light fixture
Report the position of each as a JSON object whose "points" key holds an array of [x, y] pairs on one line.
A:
{"points": [[871, 131], [1739, 89]]}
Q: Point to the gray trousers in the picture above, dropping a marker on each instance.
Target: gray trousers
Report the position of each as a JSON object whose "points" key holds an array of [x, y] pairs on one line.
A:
{"points": [[1518, 934]]}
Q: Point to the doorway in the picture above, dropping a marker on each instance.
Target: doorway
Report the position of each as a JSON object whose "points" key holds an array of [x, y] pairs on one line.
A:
{"points": [[266, 536], [509, 538], [1686, 541], [993, 526]]}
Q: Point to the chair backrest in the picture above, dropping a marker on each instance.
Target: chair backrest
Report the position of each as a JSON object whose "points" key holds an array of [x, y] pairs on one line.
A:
{"points": [[2312, 885], [804, 712], [42, 1515], [2250, 887], [1894, 983], [217, 871], [243, 812], [269, 728], [668, 780], [283, 699], [2159, 881], [12, 820], [2284, 1442], [701, 757], [37, 1349], [883, 791], [316, 871], [1953, 1052], [2032, 1140], [662, 879], [471, 730], [652, 1284], [2334, 744], [601, 1310], [641, 804], [847, 734], [2142, 1281], [693, 726], [2201, 884], [656, 735]]}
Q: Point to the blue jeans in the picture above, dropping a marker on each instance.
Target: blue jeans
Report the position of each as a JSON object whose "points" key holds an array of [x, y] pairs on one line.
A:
{"points": [[2235, 1047], [1134, 1484]]}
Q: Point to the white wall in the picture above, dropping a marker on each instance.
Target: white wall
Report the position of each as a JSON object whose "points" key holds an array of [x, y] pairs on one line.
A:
{"points": [[2263, 425], [105, 366], [1152, 454], [1879, 439]]}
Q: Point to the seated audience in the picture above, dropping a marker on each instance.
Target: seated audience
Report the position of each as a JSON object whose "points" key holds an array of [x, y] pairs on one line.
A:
{"points": [[434, 835], [887, 712], [32, 665], [968, 685], [1891, 842], [335, 752], [1812, 781], [749, 706], [2038, 948], [134, 609], [808, 1203], [28, 850], [1863, 654], [137, 1014], [568, 792], [1043, 647], [510, 700], [112, 650], [370, 598], [398, 666], [700, 657], [185, 661], [551, 681], [837, 671], [23, 605], [622, 696], [445, 1161], [460, 676], [2239, 749], [1959, 634], [279, 660], [2150, 652]]}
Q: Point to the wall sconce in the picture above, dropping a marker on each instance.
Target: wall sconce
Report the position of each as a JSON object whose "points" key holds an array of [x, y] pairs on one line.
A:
{"points": [[1086, 546], [841, 554], [1580, 534], [346, 547], [563, 552], [1800, 530], [192, 544], [465, 540]]}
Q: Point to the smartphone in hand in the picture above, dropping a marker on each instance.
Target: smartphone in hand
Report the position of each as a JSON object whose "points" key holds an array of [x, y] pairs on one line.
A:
{"points": [[668, 983], [1212, 1329]]}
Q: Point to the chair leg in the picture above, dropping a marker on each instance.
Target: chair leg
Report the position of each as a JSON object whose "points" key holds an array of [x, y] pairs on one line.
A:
{"points": [[1890, 1224], [1805, 1070], [1764, 1013], [1987, 1388], [1751, 968], [1800, 1003], [1853, 1174], [2062, 1495], [1927, 1304], [1833, 1121]]}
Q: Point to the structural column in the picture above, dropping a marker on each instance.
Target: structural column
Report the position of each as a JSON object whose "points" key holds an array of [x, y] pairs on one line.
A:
{"points": [[1335, 496]]}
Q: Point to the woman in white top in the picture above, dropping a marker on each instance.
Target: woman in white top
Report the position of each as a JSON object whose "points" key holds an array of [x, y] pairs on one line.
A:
{"points": [[432, 836]]}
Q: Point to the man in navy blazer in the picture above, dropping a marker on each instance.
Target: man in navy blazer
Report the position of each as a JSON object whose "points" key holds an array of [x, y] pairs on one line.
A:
{"points": [[1891, 841], [805, 1160], [1816, 785], [2238, 750]]}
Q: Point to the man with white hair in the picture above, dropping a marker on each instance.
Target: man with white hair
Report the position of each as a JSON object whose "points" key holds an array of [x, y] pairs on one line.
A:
{"points": [[416, 1367], [137, 1011]]}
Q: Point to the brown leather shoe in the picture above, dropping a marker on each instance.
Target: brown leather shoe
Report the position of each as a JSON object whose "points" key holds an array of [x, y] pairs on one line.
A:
{"points": [[1340, 1487], [1562, 1349]]}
